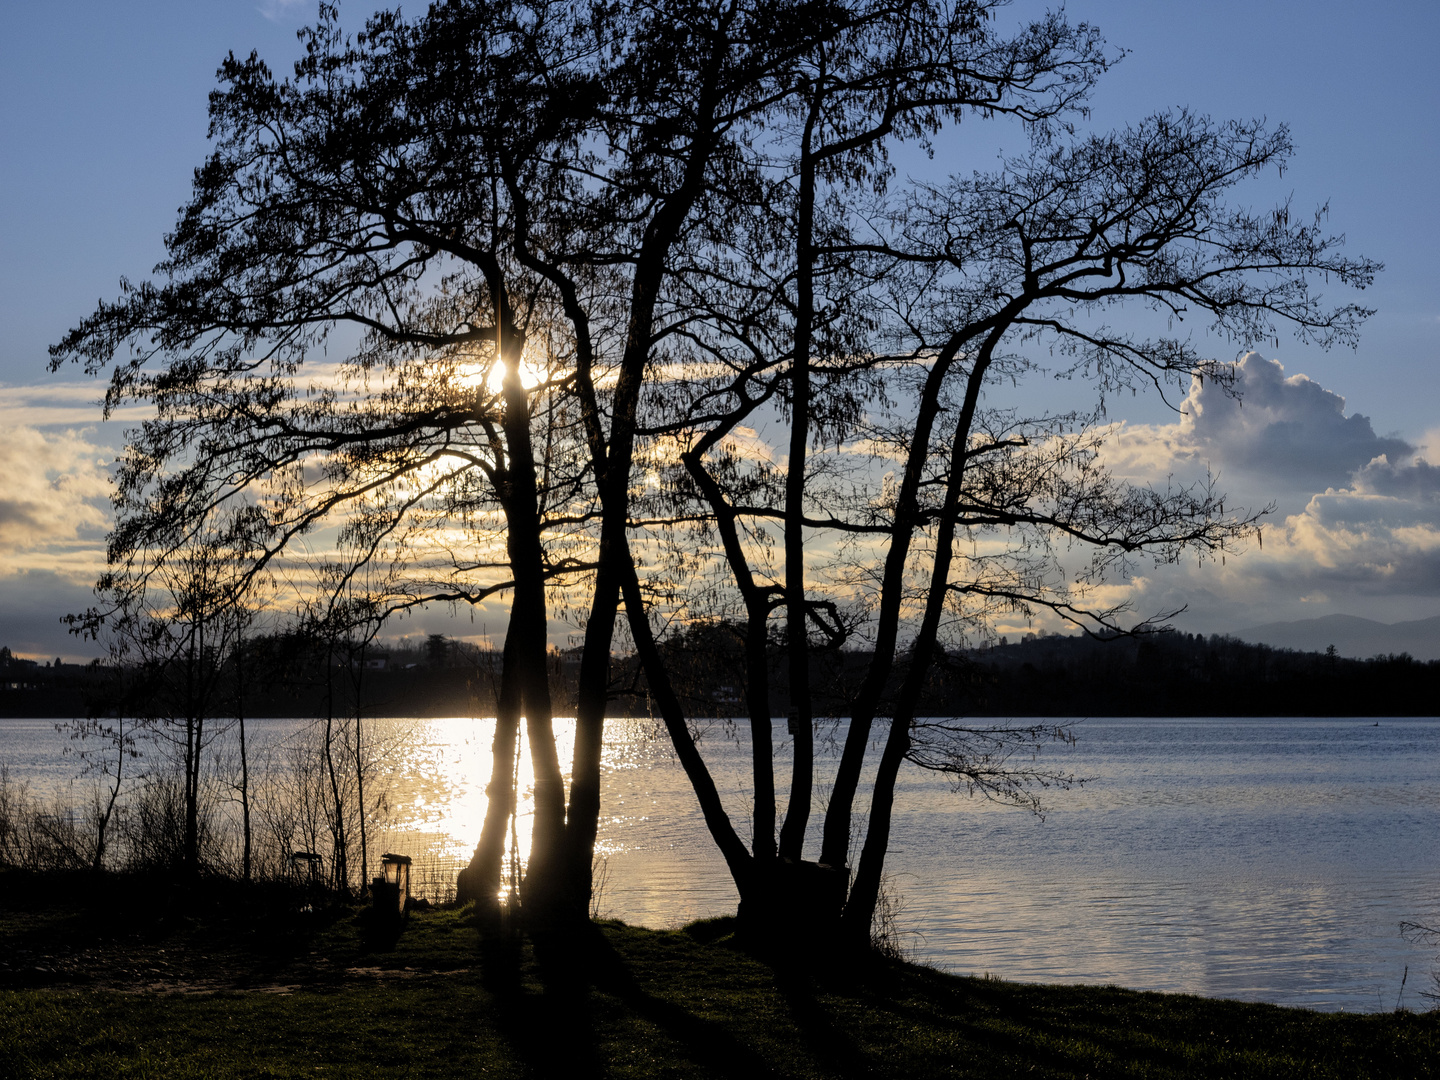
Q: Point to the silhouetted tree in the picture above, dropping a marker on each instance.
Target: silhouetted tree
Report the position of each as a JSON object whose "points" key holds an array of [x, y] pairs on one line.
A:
{"points": [[571, 252], [107, 746], [956, 280], [904, 75], [173, 630], [449, 187]]}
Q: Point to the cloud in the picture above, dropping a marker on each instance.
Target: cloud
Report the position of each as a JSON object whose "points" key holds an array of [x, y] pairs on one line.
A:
{"points": [[72, 404], [1379, 535], [284, 10], [1277, 434], [1358, 522], [54, 512], [1283, 427], [1371, 548], [55, 492]]}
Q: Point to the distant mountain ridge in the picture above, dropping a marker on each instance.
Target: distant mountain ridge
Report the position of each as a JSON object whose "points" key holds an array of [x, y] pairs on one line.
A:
{"points": [[1351, 636]]}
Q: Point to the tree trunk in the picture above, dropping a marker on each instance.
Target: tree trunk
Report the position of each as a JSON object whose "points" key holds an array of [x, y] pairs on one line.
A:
{"points": [[612, 468], [835, 845], [583, 820], [339, 869], [802, 728], [245, 857], [762, 737], [543, 888], [191, 852], [738, 860], [480, 881], [757, 660], [865, 892], [98, 863], [360, 775]]}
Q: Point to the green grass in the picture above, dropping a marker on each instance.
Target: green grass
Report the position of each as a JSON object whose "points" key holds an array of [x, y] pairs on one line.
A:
{"points": [[686, 1003]]}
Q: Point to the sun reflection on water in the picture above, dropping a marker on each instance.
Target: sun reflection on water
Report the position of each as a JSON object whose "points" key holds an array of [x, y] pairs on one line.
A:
{"points": [[1270, 860], [437, 786], [1267, 860], [649, 867]]}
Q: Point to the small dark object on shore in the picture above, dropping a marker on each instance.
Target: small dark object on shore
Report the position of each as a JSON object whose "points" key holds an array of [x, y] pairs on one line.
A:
{"points": [[390, 891], [306, 868]]}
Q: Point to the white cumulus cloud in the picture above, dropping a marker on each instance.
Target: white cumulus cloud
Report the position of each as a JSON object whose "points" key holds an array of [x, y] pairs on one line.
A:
{"points": [[1278, 433], [55, 490], [1357, 527]]}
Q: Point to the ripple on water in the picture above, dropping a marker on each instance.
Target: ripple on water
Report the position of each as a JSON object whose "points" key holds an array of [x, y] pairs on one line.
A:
{"points": [[1269, 860]]}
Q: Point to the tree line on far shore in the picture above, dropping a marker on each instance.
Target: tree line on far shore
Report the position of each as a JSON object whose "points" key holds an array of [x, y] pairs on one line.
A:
{"points": [[1162, 675]]}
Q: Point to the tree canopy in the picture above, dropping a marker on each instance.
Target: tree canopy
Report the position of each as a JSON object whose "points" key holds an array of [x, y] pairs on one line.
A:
{"points": [[573, 257]]}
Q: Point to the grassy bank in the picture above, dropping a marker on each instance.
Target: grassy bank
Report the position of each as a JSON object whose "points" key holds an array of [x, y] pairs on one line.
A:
{"points": [[321, 1000]]}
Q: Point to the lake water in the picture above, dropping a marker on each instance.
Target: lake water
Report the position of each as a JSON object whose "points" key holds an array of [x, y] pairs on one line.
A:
{"points": [[1261, 859]]}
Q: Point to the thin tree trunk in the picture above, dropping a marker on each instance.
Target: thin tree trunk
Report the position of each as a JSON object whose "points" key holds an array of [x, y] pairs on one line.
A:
{"points": [[835, 844], [513, 896], [188, 843], [762, 736], [583, 820], [192, 811], [865, 888], [543, 888], [245, 859], [865, 891], [738, 860], [801, 720], [360, 774], [340, 868], [613, 472], [190, 855], [98, 862], [757, 660], [480, 880]]}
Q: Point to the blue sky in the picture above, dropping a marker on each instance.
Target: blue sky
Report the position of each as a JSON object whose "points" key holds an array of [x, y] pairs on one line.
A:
{"points": [[102, 119]]}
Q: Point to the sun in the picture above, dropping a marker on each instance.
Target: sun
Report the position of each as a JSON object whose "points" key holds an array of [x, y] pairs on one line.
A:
{"points": [[490, 373]]}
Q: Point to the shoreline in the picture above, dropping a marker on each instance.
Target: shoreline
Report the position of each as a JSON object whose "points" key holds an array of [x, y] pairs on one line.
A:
{"points": [[244, 982]]}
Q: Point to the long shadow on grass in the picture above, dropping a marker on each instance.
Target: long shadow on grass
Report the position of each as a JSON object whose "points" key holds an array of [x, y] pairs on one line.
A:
{"points": [[831, 1045], [554, 1032], [1043, 1028], [704, 1041], [549, 1029], [988, 1025], [550, 1033]]}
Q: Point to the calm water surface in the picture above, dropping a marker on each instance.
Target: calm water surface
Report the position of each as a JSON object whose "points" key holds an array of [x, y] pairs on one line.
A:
{"points": [[1265, 859]]}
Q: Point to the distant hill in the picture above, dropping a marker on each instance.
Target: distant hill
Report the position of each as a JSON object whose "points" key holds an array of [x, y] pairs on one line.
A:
{"points": [[1351, 636], [1162, 674]]}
